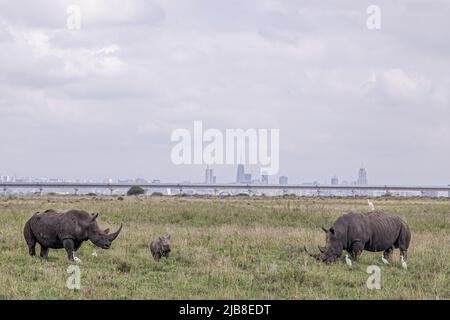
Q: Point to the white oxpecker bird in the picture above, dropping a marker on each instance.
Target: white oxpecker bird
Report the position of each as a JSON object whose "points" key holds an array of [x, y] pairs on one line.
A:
{"points": [[371, 206], [348, 261]]}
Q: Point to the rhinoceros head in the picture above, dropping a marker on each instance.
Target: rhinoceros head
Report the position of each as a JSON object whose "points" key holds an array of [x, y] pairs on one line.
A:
{"points": [[165, 245], [101, 238], [333, 248]]}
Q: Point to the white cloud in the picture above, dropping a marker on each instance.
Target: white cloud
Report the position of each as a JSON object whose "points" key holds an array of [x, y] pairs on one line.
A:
{"points": [[339, 93], [401, 86]]}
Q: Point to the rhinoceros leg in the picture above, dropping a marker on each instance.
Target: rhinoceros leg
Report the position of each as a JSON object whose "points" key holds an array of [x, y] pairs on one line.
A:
{"points": [[32, 248], [68, 245], [157, 256], [77, 246], [357, 249], [44, 252], [387, 255], [403, 257]]}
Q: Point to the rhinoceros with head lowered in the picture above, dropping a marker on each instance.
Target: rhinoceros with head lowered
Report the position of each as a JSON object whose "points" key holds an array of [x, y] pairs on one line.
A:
{"points": [[373, 231], [57, 230]]}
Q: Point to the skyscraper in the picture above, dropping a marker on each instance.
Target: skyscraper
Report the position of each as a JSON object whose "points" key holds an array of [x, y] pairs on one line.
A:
{"points": [[362, 177], [334, 181], [283, 180], [209, 176], [265, 179], [240, 174]]}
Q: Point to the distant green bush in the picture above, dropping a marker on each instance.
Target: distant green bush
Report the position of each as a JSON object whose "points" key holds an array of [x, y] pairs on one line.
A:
{"points": [[135, 191], [184, 195]]}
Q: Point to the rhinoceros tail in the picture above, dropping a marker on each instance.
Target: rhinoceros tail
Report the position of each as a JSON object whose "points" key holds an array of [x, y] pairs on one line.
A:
{"points": [[404, 237], [28, 233]]}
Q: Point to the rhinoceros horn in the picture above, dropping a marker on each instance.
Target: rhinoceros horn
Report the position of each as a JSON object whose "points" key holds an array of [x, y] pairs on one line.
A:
{"points": [[114, 235], [315, 256]]}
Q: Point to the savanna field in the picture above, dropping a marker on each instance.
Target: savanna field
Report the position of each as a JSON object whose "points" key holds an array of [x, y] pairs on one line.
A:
{"points": [[223, 248]]}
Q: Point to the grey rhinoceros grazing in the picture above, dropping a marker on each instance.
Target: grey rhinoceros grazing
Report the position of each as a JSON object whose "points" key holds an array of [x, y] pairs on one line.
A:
{"points": [[373, 231], [57, 230]]}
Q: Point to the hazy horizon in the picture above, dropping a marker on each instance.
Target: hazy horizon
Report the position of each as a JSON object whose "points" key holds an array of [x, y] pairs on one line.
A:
{"points": [[102, 101]]}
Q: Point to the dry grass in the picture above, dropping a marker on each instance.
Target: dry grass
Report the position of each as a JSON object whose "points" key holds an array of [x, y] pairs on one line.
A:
{"points": [[223, 248]]}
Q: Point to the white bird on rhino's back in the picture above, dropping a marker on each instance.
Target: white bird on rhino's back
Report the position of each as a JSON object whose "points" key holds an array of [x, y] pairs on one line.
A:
{"points": [[371, 206]]}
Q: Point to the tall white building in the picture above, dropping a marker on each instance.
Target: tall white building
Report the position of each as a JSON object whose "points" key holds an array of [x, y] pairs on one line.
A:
{"points": [[335, 180], [240, 173], [210, 178], [265, 179], [283, 180], [362, 177], [243, 177]]}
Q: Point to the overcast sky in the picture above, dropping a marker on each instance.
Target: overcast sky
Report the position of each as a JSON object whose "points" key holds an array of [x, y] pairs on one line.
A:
{"points": [[102, 101]]}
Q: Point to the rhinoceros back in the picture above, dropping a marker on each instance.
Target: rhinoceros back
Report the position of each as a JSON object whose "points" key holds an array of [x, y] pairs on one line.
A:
{"points": [[46, 227], [386, 231]]}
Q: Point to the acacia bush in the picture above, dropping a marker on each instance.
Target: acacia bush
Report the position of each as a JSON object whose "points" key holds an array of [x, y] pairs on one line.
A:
{"points": [[135, 191]]}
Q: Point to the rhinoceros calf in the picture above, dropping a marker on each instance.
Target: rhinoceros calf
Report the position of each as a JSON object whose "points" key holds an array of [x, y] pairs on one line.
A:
{"points": [[56, 230], [373, 231], [160, 248]]}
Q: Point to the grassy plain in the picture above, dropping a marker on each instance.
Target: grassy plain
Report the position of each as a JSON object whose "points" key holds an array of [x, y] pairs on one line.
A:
{"points": [[223, 248]]}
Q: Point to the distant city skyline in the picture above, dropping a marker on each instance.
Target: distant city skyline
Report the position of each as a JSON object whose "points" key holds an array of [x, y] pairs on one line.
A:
{"points": [[210, 177], [111, 187]]}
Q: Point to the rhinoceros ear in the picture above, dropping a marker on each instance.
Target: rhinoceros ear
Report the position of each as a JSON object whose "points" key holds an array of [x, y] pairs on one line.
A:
{"points": [[94, 217]]}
